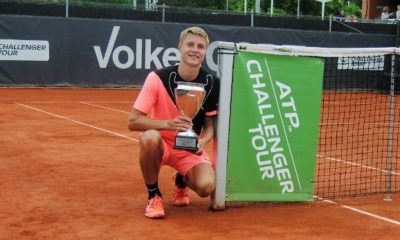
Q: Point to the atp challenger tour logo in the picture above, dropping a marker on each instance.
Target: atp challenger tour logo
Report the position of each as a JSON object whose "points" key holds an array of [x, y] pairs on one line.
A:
{"points": [[266, 137], [144, 55], [273, 128]]}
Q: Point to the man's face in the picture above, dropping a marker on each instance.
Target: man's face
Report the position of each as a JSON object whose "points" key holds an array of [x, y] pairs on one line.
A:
{"points": [[193, 50]]}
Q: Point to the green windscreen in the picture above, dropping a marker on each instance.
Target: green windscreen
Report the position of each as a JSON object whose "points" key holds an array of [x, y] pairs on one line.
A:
{"points": [[273, 127]]}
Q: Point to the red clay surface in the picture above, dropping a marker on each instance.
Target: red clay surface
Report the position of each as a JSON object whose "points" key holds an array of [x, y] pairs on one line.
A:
{"points": [[69, 170]]}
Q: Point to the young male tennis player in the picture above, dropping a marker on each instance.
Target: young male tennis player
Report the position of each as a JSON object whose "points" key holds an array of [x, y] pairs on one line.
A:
{"points": [[156, 113]]}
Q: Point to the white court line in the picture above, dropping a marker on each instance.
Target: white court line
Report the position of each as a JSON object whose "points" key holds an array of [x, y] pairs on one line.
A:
{"points": [[358, 165], [371, 214], [78, 122], [101, 106], [357, 123], [361, 211], [74, 101]]}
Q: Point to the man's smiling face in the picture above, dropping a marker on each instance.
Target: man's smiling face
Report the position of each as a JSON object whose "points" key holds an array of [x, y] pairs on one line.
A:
{"points": [[193, 50]]}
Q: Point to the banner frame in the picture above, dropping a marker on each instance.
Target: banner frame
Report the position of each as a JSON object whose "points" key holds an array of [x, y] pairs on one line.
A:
{"points": [[226, 51]]}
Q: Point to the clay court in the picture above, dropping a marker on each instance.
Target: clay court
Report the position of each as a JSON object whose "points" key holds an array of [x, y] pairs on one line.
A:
{"points": [[69, 170]]}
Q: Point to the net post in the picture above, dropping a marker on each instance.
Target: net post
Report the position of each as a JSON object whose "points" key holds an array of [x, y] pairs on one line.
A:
{"points": [[390, 130], [66, 8], [225, 62]]}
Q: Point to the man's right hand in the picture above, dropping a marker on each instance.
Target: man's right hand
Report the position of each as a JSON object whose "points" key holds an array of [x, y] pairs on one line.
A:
{"points": [[180, 123]]}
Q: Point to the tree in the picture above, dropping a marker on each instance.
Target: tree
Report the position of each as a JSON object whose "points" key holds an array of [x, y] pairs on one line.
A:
{"points": [[211, 4], [349, 7]]}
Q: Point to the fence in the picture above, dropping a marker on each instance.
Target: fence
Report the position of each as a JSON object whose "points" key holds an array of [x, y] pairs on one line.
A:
{"points": [[187, 15]]}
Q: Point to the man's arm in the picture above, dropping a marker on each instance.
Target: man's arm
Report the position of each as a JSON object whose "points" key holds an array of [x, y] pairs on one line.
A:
{"points": [[207, 134], [139, 121]]}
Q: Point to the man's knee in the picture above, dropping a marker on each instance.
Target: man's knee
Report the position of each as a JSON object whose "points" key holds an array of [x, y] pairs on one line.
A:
{"points": [[150, 140], [205, 187]]}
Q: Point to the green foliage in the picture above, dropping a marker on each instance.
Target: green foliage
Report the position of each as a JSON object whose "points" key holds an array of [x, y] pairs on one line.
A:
{"points": [[335, 6], [102, 1], [353, 9], [212, 4], [239, 5], [285, 7], [313, 7], [277, 12]]}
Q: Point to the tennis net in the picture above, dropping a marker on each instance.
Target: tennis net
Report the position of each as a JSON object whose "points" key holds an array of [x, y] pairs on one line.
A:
{"points": [[358, 147]]}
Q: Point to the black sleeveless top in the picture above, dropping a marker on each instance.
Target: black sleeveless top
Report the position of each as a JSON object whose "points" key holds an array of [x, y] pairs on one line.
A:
{"points": [[169, 77]]}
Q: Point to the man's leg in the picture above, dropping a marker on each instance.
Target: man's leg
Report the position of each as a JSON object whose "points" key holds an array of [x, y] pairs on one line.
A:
{"points": [[201, 179], [150, 156]]}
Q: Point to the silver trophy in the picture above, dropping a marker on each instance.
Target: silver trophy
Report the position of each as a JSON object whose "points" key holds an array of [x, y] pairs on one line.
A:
{"points": [[189, 99]]}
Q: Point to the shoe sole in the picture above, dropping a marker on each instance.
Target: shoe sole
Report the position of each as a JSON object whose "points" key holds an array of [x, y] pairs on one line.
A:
{"points": [[155, 216]]}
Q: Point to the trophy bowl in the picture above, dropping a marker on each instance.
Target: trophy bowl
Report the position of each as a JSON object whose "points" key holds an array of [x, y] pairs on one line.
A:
{"points": [[189, 99]]}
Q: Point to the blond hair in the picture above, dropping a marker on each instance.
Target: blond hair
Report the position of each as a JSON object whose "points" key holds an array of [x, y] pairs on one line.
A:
{"points": [[196, 31]]}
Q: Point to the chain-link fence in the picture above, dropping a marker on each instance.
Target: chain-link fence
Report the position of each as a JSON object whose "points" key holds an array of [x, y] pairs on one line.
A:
{"points": [[148, 11], [70, 8]]}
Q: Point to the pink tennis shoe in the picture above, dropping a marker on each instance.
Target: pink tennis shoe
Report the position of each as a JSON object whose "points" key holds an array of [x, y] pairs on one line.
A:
{"points": [[154, 208], [180, 196]]}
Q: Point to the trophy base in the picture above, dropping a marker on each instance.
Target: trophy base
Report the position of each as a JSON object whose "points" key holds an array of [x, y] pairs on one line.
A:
{"points": [[186, 141]]}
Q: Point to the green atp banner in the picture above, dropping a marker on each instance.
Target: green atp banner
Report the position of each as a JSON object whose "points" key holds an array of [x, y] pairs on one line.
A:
{"points": [[274, 124]]}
